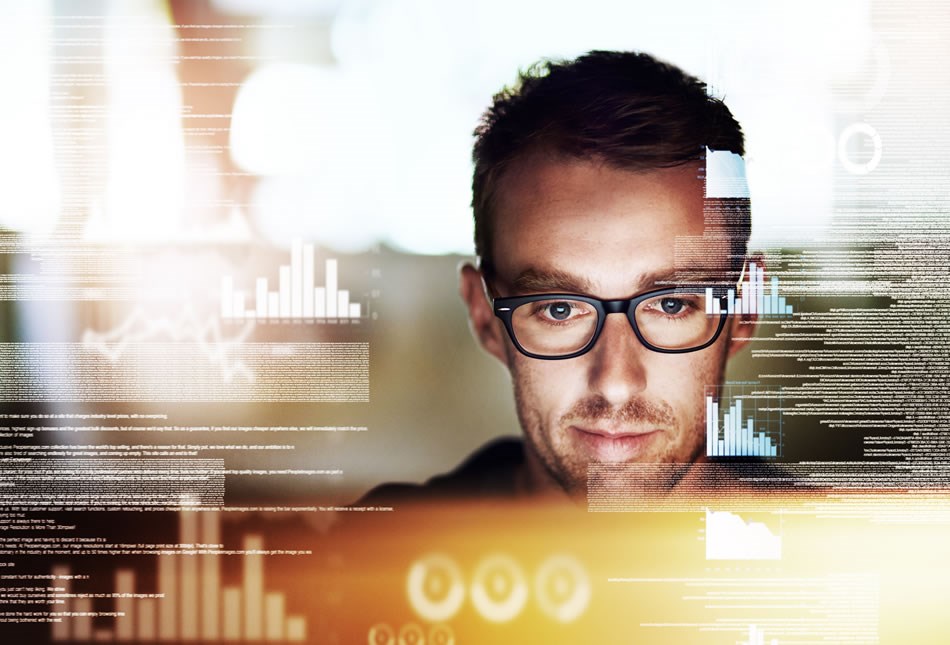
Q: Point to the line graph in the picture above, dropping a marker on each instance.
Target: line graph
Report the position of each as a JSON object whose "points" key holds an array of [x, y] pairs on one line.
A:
{"points": [[139, 327]]}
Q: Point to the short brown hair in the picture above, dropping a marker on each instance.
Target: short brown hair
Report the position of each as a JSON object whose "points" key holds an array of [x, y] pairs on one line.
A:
{"points": [[626, 109]]}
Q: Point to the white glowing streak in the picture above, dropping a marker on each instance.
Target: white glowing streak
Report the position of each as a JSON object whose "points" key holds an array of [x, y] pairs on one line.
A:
{"points": [[145, 187], [138, 327], [28, 178]]}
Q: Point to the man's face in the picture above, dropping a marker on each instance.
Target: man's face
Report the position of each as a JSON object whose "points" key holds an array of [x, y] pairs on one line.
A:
{"points": [[566, 226]]}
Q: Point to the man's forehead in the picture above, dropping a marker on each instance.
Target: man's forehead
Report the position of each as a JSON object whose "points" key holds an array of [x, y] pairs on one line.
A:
{"points": [[539, 179], [577, 226]]}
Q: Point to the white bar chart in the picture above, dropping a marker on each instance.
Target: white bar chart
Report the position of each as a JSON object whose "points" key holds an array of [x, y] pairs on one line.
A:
{"points": [[296, 296], [752, 299], [757, 637], [194, 606]]}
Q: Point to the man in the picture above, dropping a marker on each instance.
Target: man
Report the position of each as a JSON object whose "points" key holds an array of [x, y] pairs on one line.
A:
{"points": [[598, 237]]}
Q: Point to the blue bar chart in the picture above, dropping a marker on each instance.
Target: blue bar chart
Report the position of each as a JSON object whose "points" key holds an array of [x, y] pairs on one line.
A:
{"points": [[752, 299], [296, 297], [744, 428]]}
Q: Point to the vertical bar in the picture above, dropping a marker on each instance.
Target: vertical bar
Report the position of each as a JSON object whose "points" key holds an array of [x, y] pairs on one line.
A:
{"points": [[737, 427], [284, 289], [61, 629], [145, 623], [238, 304], [261, 298], [718, 444], [774, 296], [82, 625], [731, 302], [125, 586], [253, 588], [210, 575], [760, 291], [296, 628], [727, 432], [274, 616], [308, 280], [167, 582], [273, 305], [320, 302], [188, 538], [355, 310], [788, 310], [343, 303], [722, 447], [715, 307], [296, 278], [753, 287], [767, 307], [710, 437], [749, 437], [231, 623], [227, 288], [331, 288], [709, 300]]}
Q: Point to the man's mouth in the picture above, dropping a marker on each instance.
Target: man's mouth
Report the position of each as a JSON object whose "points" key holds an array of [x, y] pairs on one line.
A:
{"points": [[607, 445]]}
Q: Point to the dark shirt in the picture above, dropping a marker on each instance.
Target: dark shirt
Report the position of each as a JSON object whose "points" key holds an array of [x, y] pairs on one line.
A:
{"points": [[488, 473]]}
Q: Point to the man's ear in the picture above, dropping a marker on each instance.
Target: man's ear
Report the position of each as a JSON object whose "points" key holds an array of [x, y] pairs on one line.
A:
{"points": [[485, 327], [743, 326]]}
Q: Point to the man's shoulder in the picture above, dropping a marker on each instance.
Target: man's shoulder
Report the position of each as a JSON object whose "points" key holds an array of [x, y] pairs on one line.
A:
{"points": [[489, 472]]}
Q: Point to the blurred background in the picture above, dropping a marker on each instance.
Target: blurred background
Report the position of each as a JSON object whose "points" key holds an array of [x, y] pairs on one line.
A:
{"points": [[148, 148]]}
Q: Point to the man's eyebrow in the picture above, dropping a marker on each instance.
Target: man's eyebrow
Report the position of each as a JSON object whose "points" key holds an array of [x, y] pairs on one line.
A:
{"points": [[543, 280], [534, 280], [687, 275]]}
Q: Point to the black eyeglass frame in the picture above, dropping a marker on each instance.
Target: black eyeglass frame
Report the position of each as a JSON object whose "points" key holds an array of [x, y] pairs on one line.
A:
{"points": [[504, 307]]}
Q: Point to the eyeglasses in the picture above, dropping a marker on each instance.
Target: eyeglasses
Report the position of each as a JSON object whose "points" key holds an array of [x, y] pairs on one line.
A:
{"points": [[555, 326]]}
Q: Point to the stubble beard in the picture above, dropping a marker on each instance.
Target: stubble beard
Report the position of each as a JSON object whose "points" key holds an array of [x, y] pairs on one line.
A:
{"points": [[570, 469]]}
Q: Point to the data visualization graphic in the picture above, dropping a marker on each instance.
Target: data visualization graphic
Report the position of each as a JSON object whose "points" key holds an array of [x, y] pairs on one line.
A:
{"points": [[745, 428], [190, 602], [296, 296], [752, 298], [730, 537]]}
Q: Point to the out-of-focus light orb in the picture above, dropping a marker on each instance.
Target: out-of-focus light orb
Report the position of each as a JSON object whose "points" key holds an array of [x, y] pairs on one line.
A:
{"points": [[286, 118], [295, 8], [499, 590], [435, 587], [562, 588]]}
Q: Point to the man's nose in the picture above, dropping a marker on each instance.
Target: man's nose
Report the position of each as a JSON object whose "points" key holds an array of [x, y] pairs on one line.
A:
{"points": [[617, 370]]}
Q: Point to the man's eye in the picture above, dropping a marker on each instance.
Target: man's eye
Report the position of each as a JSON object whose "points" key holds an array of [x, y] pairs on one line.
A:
{"points": [[558, 310], [672, 306]]}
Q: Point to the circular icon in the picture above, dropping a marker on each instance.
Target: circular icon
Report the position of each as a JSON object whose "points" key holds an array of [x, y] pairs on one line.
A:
{"points": [[562, 588], [435, 587], [870, 164], [441, 635], [411, 634], [381, 634], [499, 591]]}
